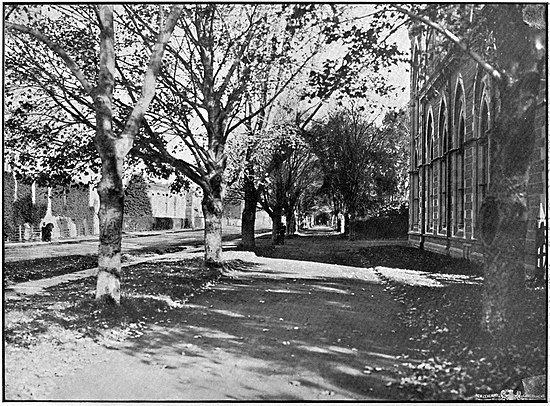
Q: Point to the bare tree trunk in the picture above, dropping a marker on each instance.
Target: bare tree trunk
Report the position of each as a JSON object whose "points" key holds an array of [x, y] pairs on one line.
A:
{"points": [[110, 188], [291, 224], [248, 220], [351, 227], [338, 220], [277, 222], [111, 193], [113, 148], [212, 209], [346, 224]]}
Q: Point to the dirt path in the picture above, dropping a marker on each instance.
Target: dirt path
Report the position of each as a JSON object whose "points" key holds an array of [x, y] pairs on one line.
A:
{"points": [[274, 330]]}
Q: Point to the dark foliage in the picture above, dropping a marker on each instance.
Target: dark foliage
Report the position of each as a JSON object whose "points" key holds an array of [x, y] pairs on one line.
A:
{"points": [[136, 201], [383, 227], [71, 201], [8, 197], [21, 210]]}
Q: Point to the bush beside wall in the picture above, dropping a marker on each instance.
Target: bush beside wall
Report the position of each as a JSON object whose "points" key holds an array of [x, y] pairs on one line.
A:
{"points": [[383, 227], [8, 195], [136, 201]]}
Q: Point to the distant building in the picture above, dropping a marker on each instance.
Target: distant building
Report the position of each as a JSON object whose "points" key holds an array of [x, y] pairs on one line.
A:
{"points": [[232, 216], [453, 107], [72, 211], [175, 210]]}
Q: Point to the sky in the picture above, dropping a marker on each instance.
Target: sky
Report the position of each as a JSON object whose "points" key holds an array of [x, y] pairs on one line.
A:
{"points": [[397, 75]]}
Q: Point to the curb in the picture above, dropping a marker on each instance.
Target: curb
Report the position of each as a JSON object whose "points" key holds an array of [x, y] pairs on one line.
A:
{"points": [[95, 237]]}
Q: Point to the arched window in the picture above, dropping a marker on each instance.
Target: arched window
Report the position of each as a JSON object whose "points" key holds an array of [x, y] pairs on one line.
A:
{"points": [[483, 154], [429, 195], [415, 184], [458, 161], [415, 68], [443, 150]]}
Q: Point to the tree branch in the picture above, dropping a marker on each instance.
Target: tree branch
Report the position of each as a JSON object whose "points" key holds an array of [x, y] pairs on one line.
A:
{"points": [[57, 49], [453, 38], [149, 81]]}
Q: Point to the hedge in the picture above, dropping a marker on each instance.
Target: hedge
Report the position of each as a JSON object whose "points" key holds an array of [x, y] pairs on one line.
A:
{"points": [[136, 200], [383, 227]]}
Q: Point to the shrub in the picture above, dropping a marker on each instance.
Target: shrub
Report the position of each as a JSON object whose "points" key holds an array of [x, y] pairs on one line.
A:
{"points": [[23, 210], [383, 227], [136, 201], [9, 191]]}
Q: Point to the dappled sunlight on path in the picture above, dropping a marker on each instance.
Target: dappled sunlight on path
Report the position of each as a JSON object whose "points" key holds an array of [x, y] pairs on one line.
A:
{"points": [[427, 279], [272, 329]]}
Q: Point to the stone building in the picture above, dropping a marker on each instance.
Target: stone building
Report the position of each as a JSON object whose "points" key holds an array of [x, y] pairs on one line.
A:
{"points": [[72, 211], [452, 109], [175, 210], [232, 216]]}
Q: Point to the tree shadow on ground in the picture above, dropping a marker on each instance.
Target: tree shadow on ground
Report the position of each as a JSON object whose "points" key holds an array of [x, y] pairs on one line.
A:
{"points": [[331, 249], [327, 332]]}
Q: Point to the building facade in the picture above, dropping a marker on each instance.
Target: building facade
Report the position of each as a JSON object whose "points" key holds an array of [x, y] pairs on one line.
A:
{"points": [[453, 106], [72, 211], [175, 210]]}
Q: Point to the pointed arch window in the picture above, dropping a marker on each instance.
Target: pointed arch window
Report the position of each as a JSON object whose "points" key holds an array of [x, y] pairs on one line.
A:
{"points": [[415, 68], [483, 154], [444, 149], [415, 186], [429, 134], [458, 162]]}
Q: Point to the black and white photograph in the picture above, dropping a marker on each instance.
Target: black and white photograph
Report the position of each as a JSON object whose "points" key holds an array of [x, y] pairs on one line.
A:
{"points": [[275, 202]]}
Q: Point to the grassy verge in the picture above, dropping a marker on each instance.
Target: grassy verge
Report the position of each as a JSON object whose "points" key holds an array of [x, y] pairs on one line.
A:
{"points": [[459, 362], [33, 269], [150, 291]]}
